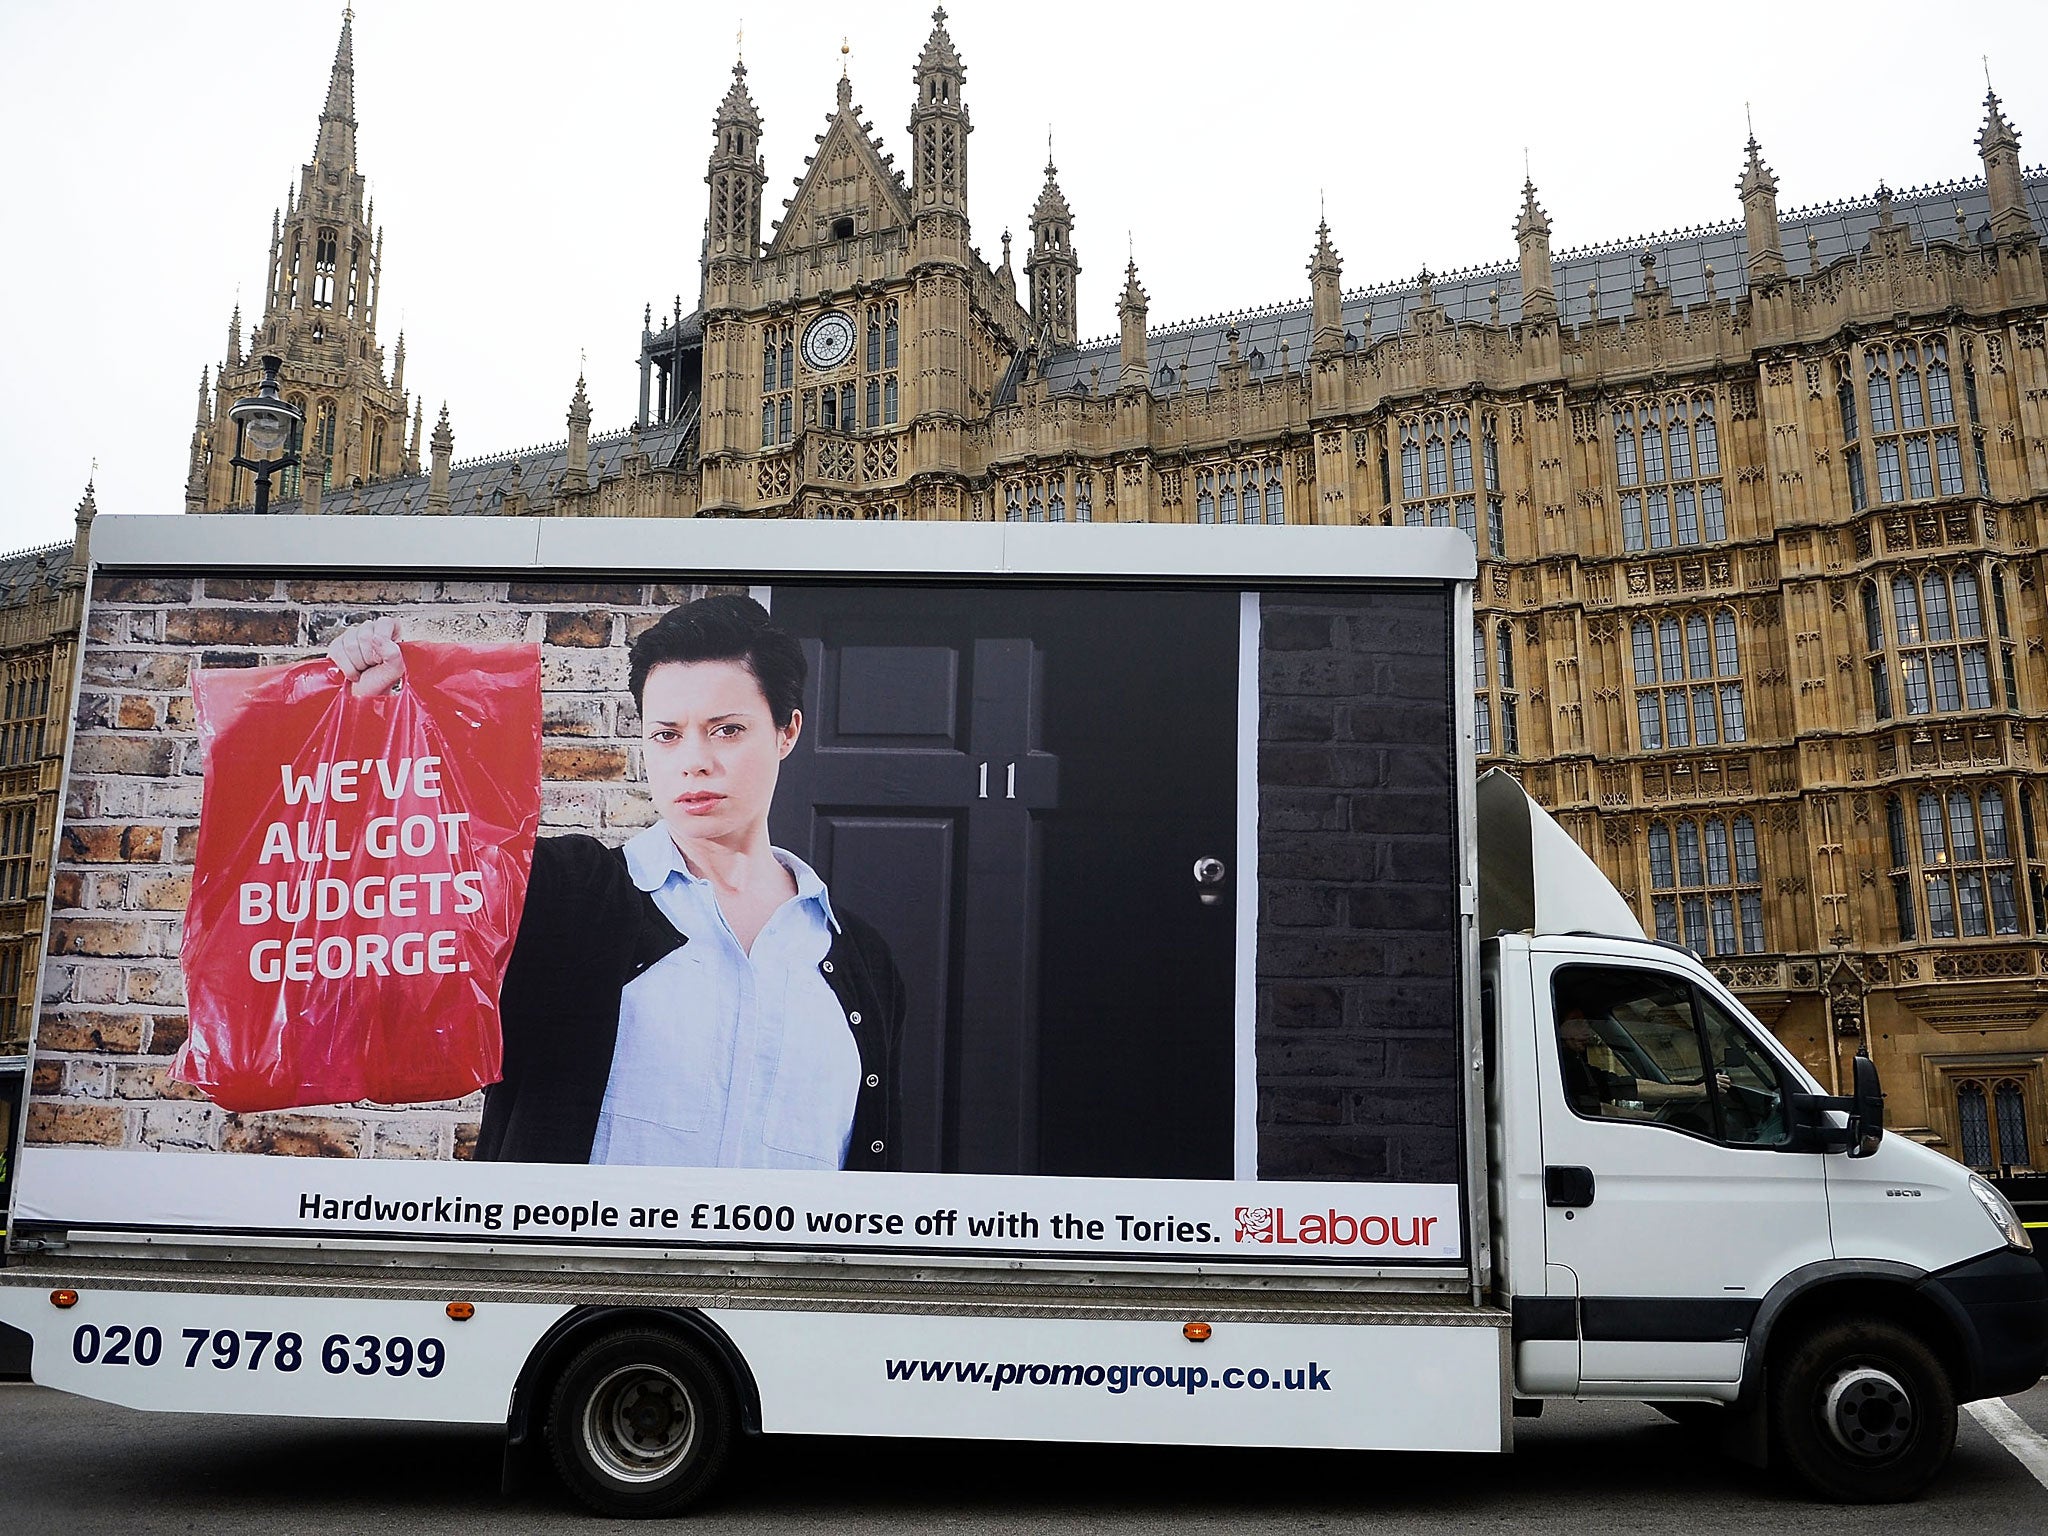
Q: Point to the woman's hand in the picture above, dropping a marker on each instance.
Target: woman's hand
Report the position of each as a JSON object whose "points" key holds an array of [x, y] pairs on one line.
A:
{"points": [[369, 657]]}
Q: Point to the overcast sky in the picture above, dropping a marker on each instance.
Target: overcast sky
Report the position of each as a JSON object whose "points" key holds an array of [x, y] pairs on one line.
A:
{"points": [[538, 167]]}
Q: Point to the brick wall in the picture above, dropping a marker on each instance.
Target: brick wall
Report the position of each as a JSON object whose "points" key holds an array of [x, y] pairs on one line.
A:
{"points": [[1358, 959], [112, 994]]}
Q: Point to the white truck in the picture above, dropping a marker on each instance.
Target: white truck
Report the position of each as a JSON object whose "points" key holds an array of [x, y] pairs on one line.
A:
{"points": [[1222, 1063]]}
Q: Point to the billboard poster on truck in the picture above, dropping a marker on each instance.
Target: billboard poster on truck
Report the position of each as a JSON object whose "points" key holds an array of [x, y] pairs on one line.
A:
{"points": [[1105, 920]]}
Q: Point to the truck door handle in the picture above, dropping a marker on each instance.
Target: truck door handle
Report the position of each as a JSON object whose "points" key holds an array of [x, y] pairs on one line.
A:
{"points": [[1569, 1187]]}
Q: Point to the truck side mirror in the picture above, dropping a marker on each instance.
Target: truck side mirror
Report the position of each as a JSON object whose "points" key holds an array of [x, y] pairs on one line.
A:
{"points": [[1864, 1105], [1866, 1108]]}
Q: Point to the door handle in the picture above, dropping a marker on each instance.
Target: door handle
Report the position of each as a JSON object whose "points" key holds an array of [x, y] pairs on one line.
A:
{"points": [[1569, 1187]]}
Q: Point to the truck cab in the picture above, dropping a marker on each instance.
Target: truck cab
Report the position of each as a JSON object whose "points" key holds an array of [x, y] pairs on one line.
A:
{"points": [[1683, 1216]]}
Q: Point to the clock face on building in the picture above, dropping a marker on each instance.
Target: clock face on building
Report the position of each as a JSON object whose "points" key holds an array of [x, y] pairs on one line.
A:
{"points": [[829, 341]]}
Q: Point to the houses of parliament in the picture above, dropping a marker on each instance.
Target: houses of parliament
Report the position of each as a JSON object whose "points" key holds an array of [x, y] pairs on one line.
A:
{"points": [[1758, 511]]}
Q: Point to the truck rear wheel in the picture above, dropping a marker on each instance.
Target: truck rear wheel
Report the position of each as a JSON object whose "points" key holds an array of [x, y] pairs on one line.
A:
{"points": [[640, 1423], [1862, 1412]]}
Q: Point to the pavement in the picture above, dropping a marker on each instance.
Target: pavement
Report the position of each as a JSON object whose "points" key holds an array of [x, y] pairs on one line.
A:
{"points": [[71, 1465]]}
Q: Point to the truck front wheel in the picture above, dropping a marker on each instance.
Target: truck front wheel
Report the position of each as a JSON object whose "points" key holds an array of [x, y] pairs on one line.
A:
{"points": [[1862, 1412], [640, 1423]]}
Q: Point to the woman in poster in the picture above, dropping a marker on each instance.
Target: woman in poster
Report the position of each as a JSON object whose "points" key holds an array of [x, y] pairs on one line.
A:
{"points": [[693, 998]]}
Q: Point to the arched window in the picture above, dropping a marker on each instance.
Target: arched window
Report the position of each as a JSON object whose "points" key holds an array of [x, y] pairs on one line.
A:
{"points": [[1938, 645], [1991, 1121], [778, 373], [1966, 862], [1667, 460], [1706, 884], [324, 252], [1908, 387], [1688, 675], [323, 439], [1276, 495], [1482, 718], [1437, 489], [1496, 721]]}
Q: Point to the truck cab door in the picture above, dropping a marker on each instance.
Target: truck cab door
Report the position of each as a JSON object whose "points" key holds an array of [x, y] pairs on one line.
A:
{"points": [[1667, 1200]]}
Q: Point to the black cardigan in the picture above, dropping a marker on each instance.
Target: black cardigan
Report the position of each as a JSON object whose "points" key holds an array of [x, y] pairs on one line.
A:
{"points": [[587, 930]]}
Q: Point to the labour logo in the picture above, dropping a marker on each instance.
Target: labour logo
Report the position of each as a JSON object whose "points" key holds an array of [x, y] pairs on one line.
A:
{"points": [[1255, 1224]]}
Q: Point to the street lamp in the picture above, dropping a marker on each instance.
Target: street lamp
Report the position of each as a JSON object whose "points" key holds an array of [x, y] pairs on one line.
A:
{"points": [[264, 425]]}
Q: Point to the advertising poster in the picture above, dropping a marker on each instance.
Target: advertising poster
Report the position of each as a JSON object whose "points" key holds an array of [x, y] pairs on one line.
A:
{"points": [[1103, 921]]}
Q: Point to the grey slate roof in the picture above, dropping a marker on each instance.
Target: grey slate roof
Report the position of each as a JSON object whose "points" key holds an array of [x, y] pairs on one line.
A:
{"points": [[1187, 355], [33, 574], [481, 485]]}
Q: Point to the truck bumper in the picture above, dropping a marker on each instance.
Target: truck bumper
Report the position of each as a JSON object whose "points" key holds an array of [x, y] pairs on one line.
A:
{"points": [[2001, 1300]]}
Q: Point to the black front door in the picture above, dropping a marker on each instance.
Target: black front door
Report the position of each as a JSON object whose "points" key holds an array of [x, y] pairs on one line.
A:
{"points": [[1014, 786]]}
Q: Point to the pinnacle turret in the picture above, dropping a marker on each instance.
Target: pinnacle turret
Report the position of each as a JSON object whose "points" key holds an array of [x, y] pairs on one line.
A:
{"points": [[938, 123], [1998, 142], [940, 56], [1326, 305], [736, 176], [1052, 269], [1052, 202], [1532, 238], [1132, 372], [1759, 189]]}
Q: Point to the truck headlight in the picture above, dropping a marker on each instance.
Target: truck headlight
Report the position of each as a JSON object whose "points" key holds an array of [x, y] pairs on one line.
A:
{"points": [[2002, 1215]]}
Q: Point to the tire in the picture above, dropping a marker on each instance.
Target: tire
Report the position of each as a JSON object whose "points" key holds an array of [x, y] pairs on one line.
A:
{"points": [[1861, 1412], [641, 1423], [1699, 1416]]}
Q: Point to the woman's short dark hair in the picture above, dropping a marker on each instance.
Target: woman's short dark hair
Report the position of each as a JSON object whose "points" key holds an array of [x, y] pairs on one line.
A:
{"points": [[726, 628]]}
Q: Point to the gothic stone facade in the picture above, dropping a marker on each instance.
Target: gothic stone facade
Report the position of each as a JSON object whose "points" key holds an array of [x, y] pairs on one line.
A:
{"points": [[42, 595], [1758, 506]]}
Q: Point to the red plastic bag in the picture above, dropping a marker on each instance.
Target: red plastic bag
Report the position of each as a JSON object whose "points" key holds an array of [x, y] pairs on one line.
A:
{"points": [[361, 868]]}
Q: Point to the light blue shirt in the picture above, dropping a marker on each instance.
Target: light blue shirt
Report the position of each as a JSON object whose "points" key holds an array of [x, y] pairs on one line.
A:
{"points": [[726, 1058]]}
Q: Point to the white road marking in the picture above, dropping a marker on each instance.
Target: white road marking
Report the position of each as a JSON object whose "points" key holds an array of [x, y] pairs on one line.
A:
{"points": [[2013, 1432]]}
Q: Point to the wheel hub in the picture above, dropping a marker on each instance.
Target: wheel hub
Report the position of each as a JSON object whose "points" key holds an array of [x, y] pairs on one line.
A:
{"points": [[1868, 1412], [640, 1423]]}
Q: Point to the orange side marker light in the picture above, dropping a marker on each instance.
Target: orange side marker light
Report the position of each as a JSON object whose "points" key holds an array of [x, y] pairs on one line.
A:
{"points": [[462, 1311], [1194, 1333], [63, 1298]]}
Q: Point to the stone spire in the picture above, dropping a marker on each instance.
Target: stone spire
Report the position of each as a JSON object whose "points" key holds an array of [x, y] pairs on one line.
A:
{"points": [[398, 364], [195, 469], [576, 478], [319, 311], [335, 148], [1532, 239], [1326, 305], [81, 537], [736, 175], [1130, 314], [1999, 144], [1052, 270], [443, 446], [412, 447], [1759, 189], [939, 125], [234, 353]]}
